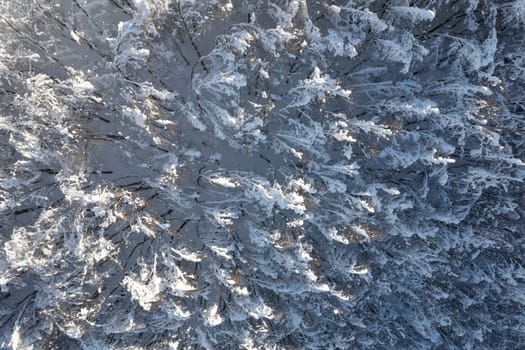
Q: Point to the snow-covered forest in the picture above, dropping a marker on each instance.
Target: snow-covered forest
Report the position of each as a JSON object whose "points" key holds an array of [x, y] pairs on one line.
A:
{"points": [[256, 174]]}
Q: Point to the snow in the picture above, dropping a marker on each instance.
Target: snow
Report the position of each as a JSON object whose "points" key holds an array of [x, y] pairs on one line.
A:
{"points": [[212, 316], [269, 196], [261, 175], [135, 115], [414, 14], [224, 181], [144, 289]]}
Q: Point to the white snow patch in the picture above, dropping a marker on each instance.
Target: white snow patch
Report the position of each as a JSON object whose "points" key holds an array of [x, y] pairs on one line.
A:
{"points": [[212, 317], [224, 181], [74, 36], [145, 289], [135, 115]]}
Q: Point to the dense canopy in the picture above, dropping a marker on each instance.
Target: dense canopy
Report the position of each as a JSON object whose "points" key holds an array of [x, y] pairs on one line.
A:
{"points": [[288, 174]]}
